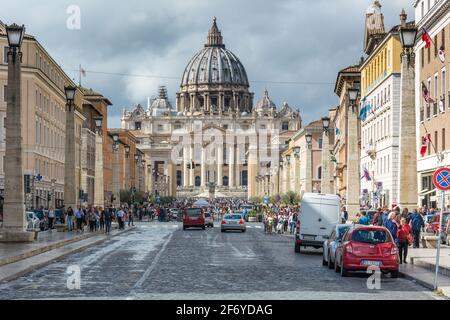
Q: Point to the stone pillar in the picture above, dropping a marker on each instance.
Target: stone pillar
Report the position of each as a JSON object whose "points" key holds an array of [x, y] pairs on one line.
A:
{"points": [[353, 176], [231, 167], [14, 219], [326, 172], [203, 168], [219, 164], [192, 170], [99, 193], [407, 185], [115, 176], [252, 171], [70, 189], [185, 164], [308, 174], [296, 174]]}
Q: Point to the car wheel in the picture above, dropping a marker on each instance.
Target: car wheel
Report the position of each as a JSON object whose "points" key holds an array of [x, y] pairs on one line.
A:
{"points": [[203, 228], [324, 262], [336, 266], [184, 228], [297, 248], [222, 230], [344, 272], [394, 274], [330, 264]]}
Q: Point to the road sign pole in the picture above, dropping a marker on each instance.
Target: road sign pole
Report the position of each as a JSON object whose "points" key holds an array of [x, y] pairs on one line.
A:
{"points": [[438, 251]]}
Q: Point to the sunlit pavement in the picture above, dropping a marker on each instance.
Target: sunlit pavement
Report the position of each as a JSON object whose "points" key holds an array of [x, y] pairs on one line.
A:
{"points": [[161, 261]]}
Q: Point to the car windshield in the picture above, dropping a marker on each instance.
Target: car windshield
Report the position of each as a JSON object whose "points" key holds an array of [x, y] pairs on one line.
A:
{"points": [[233, 217], [194, 212], [341, 232], [371, 236]]}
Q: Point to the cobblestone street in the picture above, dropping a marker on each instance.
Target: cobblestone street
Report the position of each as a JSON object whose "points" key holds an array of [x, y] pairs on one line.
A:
{"points": [[161, 261]]}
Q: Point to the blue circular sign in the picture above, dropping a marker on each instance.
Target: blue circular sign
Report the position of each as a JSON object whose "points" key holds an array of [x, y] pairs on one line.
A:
{"points": [[441, 179]]}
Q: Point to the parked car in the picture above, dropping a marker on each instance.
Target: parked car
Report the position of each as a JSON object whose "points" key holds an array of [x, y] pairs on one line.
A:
{"points": [[433, 226], [330, 244], [233, 221], [193, 218], [319, 214], [364, 246], [209, 220], [32, 220]]}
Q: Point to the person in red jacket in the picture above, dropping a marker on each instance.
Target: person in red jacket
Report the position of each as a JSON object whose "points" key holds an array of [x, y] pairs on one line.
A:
{"points": [[403, 233]]}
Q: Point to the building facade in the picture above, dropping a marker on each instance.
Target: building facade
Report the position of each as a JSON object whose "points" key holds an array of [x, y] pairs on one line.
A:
{"points": [[380, 112], [43, 103], [433, 116], [346, 147], [215, 135]]}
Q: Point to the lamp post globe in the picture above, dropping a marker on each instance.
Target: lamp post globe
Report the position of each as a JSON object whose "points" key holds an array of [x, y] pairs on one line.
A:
{"points": [[70, 93], [326, 123], [408, 37], [15, 35], [98, 122], [308, 138]]}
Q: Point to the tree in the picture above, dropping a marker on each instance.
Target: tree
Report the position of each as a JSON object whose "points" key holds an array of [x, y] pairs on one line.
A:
{"points": [[290, 198], [256, 199], [275, 198]]}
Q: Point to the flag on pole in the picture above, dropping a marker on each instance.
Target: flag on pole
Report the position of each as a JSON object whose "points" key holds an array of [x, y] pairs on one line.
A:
{"points": [[426, 94], [442, 54], [426, 38], [366, 175], [338, 132], [81, 73], [425, 140], [364, 110]]}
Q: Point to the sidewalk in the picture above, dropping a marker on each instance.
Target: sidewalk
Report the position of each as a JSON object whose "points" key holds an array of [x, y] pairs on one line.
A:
{"points": [[22, 258], [421, 268]]}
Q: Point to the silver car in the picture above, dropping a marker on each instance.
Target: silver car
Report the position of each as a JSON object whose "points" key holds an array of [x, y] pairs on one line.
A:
{"points": [[330, 244], [233, 221]]}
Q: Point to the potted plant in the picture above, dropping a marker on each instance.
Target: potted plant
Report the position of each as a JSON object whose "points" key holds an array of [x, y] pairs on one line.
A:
{"points": [[252, 216]]}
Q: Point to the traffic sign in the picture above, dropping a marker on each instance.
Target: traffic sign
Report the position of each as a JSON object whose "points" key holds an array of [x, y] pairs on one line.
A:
{"points": [[441, 179], [266, 200]]}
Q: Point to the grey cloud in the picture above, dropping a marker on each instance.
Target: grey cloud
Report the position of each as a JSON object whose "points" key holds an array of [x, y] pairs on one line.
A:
{"points": [[287, 40]]}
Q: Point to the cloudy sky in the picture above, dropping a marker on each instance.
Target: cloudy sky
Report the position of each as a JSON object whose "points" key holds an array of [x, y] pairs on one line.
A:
{"points": [[134, 46]]}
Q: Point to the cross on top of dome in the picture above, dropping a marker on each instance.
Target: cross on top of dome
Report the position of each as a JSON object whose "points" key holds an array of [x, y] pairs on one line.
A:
{"points": [[214, 36]]}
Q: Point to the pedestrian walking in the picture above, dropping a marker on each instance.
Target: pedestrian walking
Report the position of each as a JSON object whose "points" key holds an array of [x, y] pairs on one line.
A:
{"points": [[69, 218], [344, 215], [91, 219], [102, 219], [416, 224], [403, 235], [51, 218], [392, 225], [130, 218], [79, 219], [120, 216], [108, 220], [363, 219]]}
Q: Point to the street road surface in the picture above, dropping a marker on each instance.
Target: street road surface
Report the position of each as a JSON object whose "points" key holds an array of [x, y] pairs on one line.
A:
{"points": [[161, 261]]}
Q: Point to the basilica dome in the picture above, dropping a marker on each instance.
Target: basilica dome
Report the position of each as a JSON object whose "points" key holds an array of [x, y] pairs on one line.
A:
{"points": [[215, 64]]}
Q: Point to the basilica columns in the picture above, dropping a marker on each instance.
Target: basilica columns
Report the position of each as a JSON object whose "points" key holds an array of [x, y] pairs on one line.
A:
{"points": [[220, 165], [192, 170], [231, 166], [185, 166], [203, 167]]}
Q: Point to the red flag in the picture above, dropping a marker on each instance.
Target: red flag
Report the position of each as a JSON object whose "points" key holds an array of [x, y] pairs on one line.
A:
{"points": [[426, 38], [426, 94], [425, 140]]}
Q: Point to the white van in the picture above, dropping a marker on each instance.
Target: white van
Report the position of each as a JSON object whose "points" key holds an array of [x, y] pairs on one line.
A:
{"points": [[318, 215]]}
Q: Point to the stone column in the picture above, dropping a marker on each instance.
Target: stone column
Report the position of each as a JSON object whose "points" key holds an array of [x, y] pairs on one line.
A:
{"points": [[14, 219], [219, 165], [252, 171], [70, 189], [326, 173], [185, 164], [192, 170], [407, 185], [353, 176], [308, 174], [115, 176], [203, 168], [231, 167], [99, 193], [297, 174]]}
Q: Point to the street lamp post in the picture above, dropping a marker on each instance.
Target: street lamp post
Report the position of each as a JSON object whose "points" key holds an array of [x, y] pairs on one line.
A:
{"points": [[116, 190], [127, 167], [70, 189], [142, 181], [99, 200], [326, 176], [407, 135], [136, 171], [308, 163], [14, 220]]}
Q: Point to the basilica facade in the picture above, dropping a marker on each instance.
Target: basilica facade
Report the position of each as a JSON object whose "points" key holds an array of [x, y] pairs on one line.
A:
{"points": [[215, 140]]}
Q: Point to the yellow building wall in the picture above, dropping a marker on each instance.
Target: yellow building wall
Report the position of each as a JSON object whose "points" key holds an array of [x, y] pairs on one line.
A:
{"points": [[384, 61]]}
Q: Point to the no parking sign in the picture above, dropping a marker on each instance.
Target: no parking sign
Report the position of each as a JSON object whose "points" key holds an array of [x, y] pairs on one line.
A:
{"points": [[441, 179]]}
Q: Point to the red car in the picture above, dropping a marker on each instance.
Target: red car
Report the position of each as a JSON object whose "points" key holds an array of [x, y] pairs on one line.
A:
{"points": [[193, 218], [364, 246], [433, 225]]}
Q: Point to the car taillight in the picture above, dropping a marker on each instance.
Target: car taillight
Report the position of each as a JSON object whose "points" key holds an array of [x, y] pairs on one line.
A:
{"points": [[394, 250], [241, 222], [349, 248], [224, 222]]}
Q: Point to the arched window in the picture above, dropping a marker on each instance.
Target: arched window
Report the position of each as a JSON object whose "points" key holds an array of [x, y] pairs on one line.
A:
{"points": [[197, 181], [225, 181]]}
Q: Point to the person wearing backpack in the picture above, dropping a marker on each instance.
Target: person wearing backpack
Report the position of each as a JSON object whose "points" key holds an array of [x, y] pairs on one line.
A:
{"points": [[417, 224]]}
